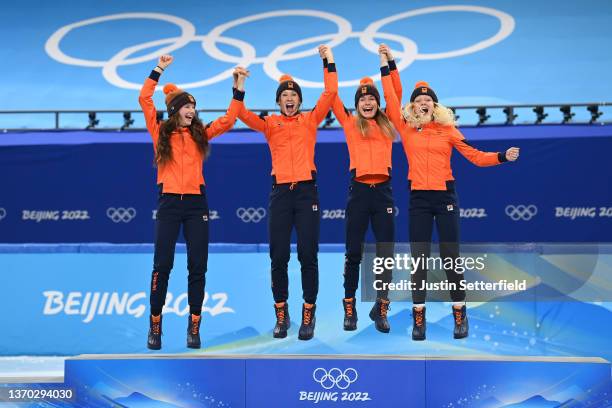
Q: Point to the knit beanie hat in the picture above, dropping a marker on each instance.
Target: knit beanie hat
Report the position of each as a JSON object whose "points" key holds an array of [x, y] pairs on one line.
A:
{"points": [[176, 98], [422, 88], [287, 82], [366, 87]]}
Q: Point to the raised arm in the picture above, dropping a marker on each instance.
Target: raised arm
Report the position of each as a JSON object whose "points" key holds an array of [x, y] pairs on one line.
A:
{"points": [[330, 79], [249, 118], [478, 157], [397, 84], [340, 111], [226, 122], [145, 99], [393, 108]]}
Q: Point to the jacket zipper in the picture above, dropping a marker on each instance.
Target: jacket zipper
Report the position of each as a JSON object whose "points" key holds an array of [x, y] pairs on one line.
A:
{"points": [[291, 148], [182, 164]]}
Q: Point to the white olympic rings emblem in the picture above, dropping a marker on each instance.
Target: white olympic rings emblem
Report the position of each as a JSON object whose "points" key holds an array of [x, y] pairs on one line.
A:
{"points": [[251, 214], [335, 377], [521, 212], [121, 214], [248, 55], [2, 213]]}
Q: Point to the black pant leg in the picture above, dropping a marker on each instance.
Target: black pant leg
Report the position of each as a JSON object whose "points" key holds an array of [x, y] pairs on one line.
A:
{"points": [[383, 226], [357, 220], [447, 223], [307, 226], [420, 231], [167, 226], [196, 232], [280, 223]]}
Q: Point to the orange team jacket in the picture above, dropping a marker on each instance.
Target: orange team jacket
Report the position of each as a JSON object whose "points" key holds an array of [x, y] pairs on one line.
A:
{"points": [[370, 154], [183, 175], [429, 151], [292, 139]]}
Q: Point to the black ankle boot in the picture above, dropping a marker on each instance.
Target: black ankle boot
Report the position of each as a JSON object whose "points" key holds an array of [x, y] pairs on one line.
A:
{"points": [[418, 324], [308, 321], [282, 320], [379, 315], [350, 314], [155, 332], [461, 323], [193, 331]]}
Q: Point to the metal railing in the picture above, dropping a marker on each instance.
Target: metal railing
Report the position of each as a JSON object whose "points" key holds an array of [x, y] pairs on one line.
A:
{"points": [[591, 113]]}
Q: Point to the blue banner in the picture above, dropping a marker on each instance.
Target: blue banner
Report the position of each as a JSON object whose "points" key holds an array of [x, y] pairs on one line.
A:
{"points": [[95, 301], [100, 187]]}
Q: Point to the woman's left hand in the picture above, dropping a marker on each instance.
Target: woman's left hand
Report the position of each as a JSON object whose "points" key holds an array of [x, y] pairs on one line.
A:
{"points": [[512, 153]]}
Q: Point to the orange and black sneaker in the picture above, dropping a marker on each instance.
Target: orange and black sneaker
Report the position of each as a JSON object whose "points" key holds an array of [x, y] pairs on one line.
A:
{"points": [[155, 332], [308, 321], [350, 314], [282, 320], [193, 331], [379, 315], [418, 323], [461, 322]]}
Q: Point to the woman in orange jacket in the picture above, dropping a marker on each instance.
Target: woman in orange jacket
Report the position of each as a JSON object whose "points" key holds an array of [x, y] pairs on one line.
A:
{"points": [[294, 200], [428, 133], [369, 137], [180, 145]]}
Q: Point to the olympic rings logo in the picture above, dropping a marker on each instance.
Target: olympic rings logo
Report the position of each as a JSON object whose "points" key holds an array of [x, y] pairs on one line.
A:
{"points": [[2, 213], [251, 214], [521, 212], [248, 54], [121, 214], [335, 377]]}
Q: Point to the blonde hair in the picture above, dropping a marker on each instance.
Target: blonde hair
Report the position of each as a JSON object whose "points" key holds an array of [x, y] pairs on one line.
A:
{"points": [[382, 120], [441, 114]]}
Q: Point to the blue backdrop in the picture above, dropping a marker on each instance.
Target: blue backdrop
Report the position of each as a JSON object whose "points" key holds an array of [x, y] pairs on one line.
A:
{"points": [[94, 55], [100, 187]]}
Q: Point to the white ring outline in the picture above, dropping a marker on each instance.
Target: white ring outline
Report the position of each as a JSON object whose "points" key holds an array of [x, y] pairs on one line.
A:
{"points": [[109, 71], [506, 28], [344, 30], [270, 65], [53, 49], [270, 62]]}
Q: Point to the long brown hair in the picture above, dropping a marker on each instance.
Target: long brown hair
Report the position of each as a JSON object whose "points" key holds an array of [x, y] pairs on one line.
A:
{"points": [[163, 150], [382, 120]]}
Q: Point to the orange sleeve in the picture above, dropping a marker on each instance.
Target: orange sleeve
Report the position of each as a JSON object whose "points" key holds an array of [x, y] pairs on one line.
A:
{"points": [[326, 100], [252, 120], [479, 158], [145, 99], [393, 108], [224, 123], [397, 83], [340, 111]]}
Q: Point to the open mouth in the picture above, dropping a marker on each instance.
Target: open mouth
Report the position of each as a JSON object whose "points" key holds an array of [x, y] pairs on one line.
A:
{"points": [[290, 107], [424, 110], [368, 109]]}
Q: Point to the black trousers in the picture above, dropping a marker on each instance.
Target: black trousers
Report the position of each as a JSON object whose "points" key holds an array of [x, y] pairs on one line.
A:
{"points": [[368, 204], [174, 211], [294, 205], [443, 207]]}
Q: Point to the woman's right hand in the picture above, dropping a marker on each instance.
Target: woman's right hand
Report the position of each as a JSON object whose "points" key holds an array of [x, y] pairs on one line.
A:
{"points": [[382, 52], [240, 74], [164, 61], [386, 50]]}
